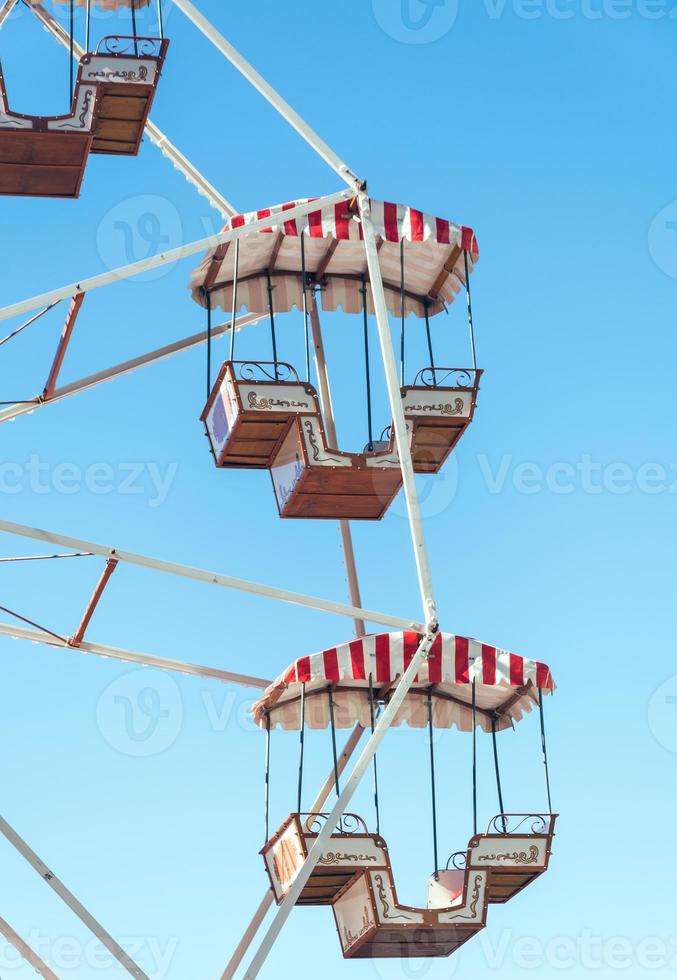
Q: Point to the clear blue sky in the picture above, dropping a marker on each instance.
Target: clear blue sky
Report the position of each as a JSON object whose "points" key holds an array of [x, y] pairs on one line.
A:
{"points": [[552, 532]]}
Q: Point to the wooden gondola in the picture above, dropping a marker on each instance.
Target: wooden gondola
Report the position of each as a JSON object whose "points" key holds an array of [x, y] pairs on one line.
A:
{"points": [[256, 420], [113, 91], [267, 418], [465, 684]]}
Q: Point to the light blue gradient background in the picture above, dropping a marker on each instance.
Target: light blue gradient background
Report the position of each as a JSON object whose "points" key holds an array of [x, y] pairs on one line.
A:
{"points": [[555, 140]]}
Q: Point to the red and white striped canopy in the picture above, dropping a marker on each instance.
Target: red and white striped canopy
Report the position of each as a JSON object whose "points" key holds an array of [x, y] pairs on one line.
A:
{"points": [[434, 263], [106, 4], [506, 685]]}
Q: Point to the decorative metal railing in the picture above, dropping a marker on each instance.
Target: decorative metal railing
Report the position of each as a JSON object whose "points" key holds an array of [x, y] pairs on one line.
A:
{"points": [[445, 377], [133, 47], [350, 823], [507, 824], [265, 371], [458, 860]]}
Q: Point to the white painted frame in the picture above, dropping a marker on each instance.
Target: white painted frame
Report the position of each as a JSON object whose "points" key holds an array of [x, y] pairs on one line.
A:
{"points": [[356, 187], [71, 901]]}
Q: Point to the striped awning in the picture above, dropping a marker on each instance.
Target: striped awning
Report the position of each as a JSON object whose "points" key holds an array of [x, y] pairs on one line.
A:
{"points": [[434, 260], [107, 4], [506, 685]]}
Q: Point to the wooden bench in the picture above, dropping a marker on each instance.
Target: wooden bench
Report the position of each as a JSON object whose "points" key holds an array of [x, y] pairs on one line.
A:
{"points": [[439, 407], [371, 921], [347, 854]]}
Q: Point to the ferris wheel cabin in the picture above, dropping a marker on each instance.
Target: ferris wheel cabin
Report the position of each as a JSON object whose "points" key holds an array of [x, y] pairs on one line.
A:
{"points": [[112, 95], [464, 684], [263, 415]]}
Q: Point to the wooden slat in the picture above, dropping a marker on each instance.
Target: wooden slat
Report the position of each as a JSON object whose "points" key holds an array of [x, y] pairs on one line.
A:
{"points": [[354, 482], [16, 179], [114, 149], [261, 430], [445, 272], [432, 435], [244, 463], [335, 507], [117, 130], [122, 107], [45, 149]]}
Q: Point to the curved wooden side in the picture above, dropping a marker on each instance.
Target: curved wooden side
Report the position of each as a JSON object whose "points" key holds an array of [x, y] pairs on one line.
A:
{"points": [[346, 856], [277, 425], [372, 922], [437, 417]]}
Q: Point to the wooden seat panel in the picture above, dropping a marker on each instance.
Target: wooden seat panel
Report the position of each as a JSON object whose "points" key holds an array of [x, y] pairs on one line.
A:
{"points": [[23, 180]]}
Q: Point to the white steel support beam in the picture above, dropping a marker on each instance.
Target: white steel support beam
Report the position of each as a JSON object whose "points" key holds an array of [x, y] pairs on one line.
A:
{"points": [[92, 380], [210, 578], [399, 423], [71, 901], [323, 838], [269, 93], [155, 134], [173, 255], [132, 657], [268, 898], [23, 949], [330, 427], [5, 10]]}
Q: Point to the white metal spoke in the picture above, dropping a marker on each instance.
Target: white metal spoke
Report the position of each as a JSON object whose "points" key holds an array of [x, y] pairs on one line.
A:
{"points": [[118, 370], [269, 93], [71, 901], [323, 838], [6, 9], [173, 255], [211, 578], [267, 900], [134, 657], [399, 422], [24, 950], [324, 390]]}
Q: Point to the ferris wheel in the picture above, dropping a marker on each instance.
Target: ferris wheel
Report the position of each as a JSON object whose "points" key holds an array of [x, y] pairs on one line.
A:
{"points": [[284, 265]]}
